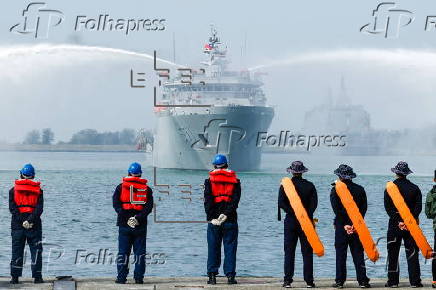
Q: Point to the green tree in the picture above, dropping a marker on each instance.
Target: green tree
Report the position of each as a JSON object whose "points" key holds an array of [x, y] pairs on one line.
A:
{"points": [[47, 136], [33, 137], [127, 137], [86, 136]]}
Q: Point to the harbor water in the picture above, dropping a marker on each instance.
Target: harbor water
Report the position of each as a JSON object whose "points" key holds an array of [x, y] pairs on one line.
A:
{"points": [[80, 235]]}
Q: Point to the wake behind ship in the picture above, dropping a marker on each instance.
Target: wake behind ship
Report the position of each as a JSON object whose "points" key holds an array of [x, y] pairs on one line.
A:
{"points": [[221, 111]]}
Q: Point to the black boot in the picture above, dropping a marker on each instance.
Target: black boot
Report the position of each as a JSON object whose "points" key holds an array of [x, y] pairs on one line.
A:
{"points": [[119, 281], [14, 280], [38, 280], [212, 279], [231, 280]]}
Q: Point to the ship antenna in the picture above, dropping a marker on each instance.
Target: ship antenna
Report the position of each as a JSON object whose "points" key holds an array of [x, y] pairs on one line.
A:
{"points": [[174, 47]]}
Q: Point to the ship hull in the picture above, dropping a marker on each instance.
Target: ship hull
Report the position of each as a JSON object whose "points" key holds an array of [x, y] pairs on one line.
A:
{"points": [[191, 140]]}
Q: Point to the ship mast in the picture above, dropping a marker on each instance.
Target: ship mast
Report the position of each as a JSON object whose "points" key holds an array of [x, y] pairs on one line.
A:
{"points": [[216, 54]]}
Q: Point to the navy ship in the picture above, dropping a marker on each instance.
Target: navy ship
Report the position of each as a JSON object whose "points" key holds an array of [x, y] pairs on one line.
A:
{"points": [[219, 111], [340, 116]]}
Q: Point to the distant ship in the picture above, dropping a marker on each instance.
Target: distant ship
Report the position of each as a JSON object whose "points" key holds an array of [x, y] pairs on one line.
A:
{"points": [[221, 111], [339, 116]]}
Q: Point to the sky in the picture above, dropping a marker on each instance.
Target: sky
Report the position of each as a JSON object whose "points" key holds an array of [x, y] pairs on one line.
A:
{"points": [[304, 47]]}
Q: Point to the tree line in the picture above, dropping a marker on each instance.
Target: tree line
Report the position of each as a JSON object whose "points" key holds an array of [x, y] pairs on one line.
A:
{"points": [[89, 137]]}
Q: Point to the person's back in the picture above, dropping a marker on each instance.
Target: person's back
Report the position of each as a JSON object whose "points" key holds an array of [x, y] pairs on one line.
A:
{"points": [[359, 196], [133, 202], [306, 191], [292, 227], [397, 229], [345, 232], [222, 192], [411, 194], [26, 204], [229, 207]]}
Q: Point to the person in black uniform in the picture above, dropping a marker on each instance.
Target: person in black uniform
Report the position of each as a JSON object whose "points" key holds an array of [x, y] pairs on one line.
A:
{"points": [[345, 234], [292, 229], [397, 231], [222, 191]]}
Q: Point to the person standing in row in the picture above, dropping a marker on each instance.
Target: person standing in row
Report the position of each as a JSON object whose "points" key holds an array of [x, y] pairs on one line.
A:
{"points": [[222, 191], [292, 228], [430, 212], [345, 233], [133, 202], [397, 230], [26, 206]]}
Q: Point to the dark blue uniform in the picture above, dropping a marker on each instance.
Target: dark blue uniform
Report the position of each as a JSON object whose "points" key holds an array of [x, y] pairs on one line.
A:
{"points": [[344, 240], [129, 238], [413, 198], [20, 236], [292, 229]]}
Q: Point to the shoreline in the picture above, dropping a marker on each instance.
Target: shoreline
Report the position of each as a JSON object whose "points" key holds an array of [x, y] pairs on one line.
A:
{"points": [[68, 148], [156, 283]]}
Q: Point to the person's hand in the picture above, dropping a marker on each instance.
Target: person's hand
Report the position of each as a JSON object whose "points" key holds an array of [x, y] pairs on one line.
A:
{"points": [[349, 229], [222, 218], [402, 226], [27, 225], [132, 222], [215, 222]]}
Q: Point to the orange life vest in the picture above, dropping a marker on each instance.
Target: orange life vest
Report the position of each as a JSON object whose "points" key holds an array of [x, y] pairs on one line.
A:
{"points": [[223, 182], [139, 188], [26, 193]]}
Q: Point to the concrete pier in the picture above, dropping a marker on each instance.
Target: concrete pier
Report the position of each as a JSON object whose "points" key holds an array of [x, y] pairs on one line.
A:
{"points": [[157, 283]]}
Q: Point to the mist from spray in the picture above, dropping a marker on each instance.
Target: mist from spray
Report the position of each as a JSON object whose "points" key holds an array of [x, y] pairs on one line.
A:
{"points": [[396, 87], [78, 80], [374, 57], [85, 52], [72, 87]]}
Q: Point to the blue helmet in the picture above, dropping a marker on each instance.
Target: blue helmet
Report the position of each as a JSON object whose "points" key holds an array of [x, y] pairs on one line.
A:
{"points": [[28, 170], [219, 159], [135, 168]]}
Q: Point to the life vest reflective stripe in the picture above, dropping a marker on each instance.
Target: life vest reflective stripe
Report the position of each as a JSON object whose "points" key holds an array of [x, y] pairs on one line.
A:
{"points": [[26, 193], [223, 182], [411, 223], [133, 193]]}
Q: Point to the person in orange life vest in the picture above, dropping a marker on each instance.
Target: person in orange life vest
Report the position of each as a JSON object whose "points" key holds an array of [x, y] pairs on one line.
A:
{"points": [[133, 202], [222, 191], [26, 206]]}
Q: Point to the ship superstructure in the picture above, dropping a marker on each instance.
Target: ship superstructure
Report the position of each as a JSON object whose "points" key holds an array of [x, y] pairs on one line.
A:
{"points": [[216, 110]]}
